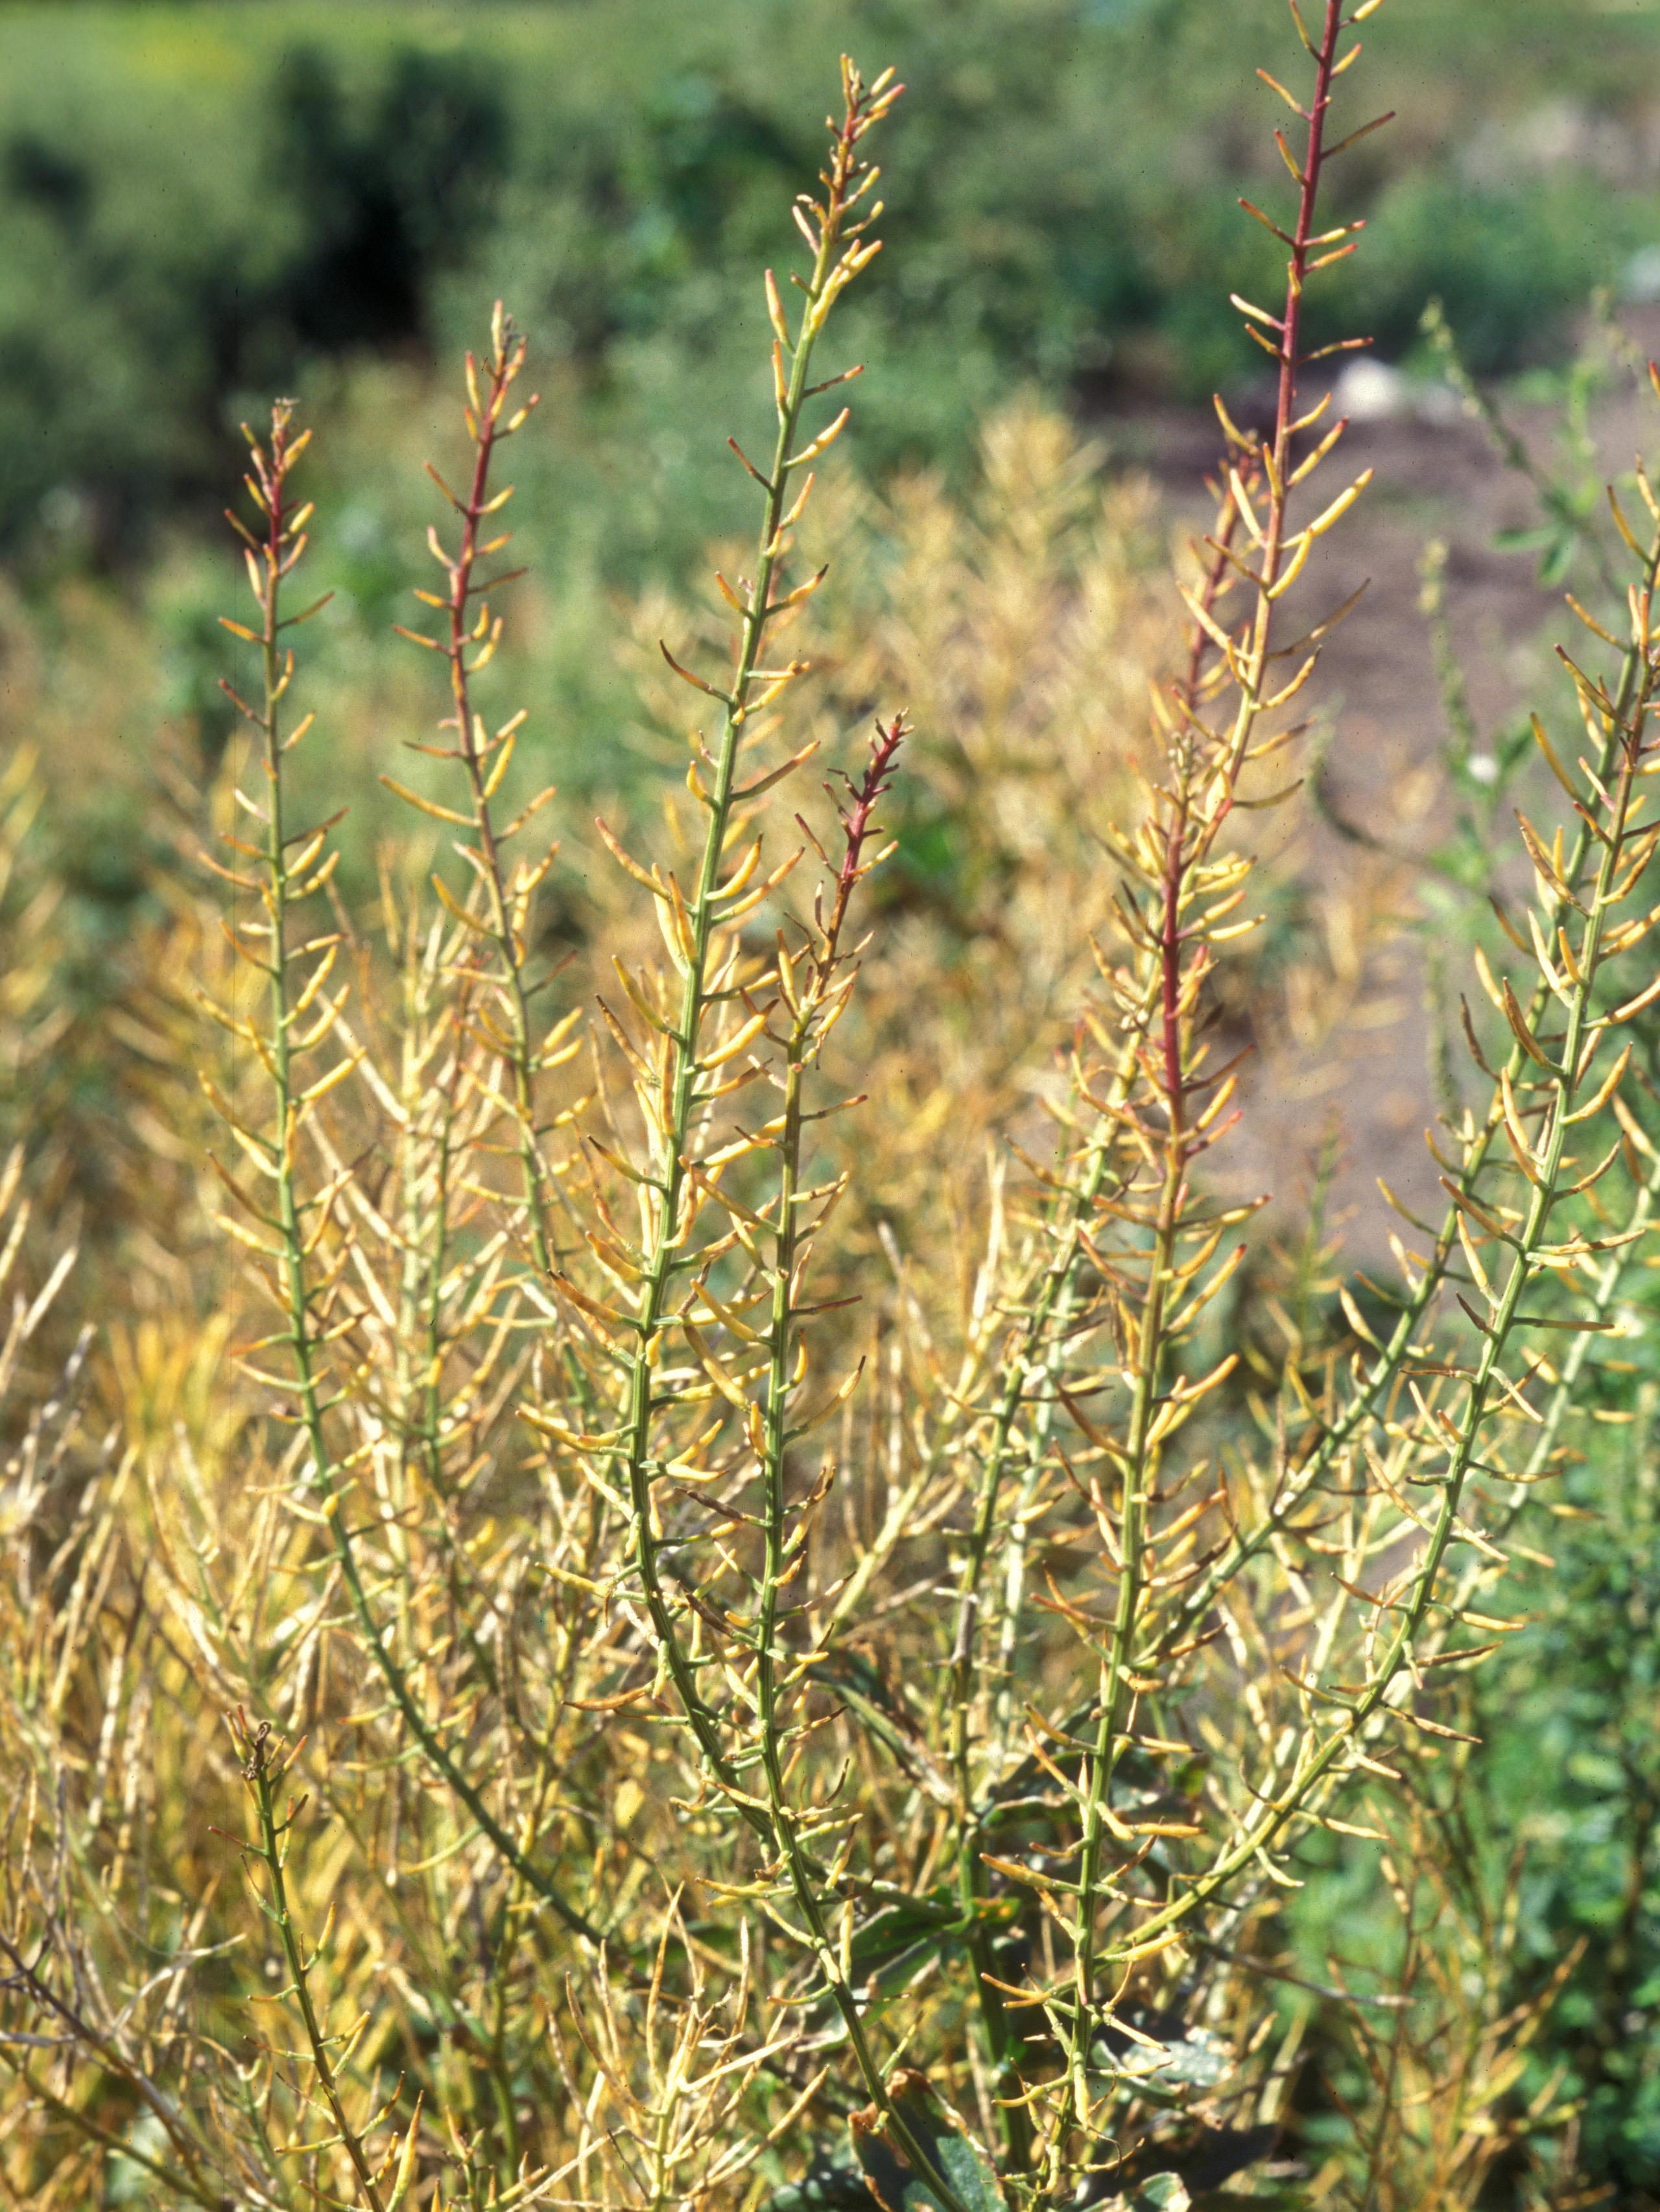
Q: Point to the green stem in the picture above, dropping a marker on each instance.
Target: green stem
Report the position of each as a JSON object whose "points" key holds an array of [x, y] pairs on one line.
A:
{"points": [[508, 356], [1244, 1545], [818, 1004], [666, 1258], [281, 550], [1565, 1076], [270, 1853]]}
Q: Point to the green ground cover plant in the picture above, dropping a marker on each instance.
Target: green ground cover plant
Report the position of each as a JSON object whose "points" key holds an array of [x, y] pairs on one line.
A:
{"points": [[1539, 1852], [674, 1542]]}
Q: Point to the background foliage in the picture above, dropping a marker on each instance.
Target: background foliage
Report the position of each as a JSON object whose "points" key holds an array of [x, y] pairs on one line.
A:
{"points": [[203, 201]]}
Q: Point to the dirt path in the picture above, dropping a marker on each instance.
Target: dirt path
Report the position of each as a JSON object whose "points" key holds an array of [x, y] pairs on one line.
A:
{"points": [[1347, 1052]]}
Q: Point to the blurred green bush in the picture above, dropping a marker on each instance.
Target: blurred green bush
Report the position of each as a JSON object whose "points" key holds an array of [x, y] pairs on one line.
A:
{"points": [[200, 201]]}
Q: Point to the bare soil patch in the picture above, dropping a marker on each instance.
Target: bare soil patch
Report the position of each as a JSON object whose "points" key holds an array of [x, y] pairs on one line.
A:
{"points": [[1348, 1051]]}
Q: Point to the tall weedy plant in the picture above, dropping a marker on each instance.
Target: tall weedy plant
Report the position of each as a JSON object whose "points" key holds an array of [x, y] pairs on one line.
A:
{"points": [[732, 1710]]}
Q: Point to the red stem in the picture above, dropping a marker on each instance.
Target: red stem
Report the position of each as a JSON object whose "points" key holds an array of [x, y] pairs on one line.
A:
{"points": [[1177, 860], [461, 580], [856, 820], [1325, 62]]}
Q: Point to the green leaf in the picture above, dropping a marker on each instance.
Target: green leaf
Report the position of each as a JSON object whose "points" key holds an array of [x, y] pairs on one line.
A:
{"points": [[1287, 2196], [958, 2161], [1557, 562], [1160, 2192], [1533, 539], [829, 2185], [1193, 2059], [901, 1933]]}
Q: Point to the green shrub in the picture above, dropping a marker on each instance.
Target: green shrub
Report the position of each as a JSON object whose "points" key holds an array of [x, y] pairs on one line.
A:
{"points": [[200, 201]]}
